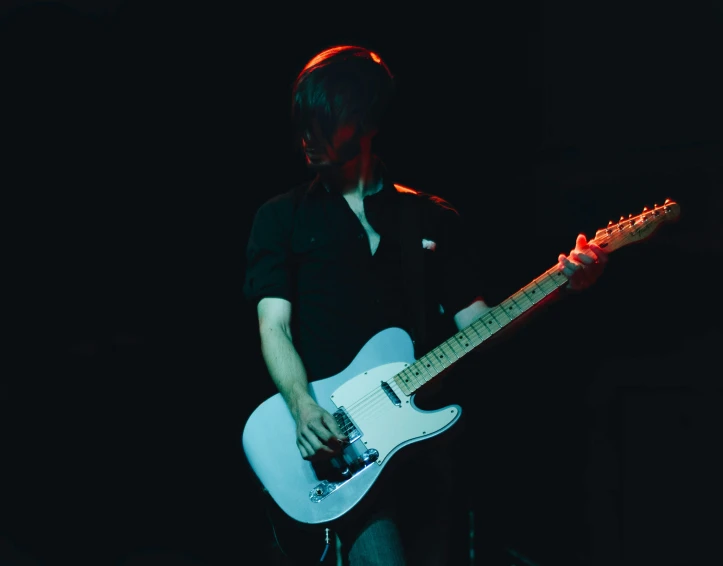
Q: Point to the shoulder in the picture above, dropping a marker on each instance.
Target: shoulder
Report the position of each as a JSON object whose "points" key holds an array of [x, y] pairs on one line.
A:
{"points": [[429, 202], [287, 199], [283, 205]]}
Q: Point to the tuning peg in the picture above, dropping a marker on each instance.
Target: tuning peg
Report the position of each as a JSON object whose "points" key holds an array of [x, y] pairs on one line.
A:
{"points": [[645, 209], [667, 201]]}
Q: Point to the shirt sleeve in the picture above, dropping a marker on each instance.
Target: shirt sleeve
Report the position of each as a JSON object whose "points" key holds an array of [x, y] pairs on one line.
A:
{"points": [[268, 271]]}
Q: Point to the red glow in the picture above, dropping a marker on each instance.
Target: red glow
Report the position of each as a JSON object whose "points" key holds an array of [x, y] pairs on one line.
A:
{"points": [[403, 189], [326, 54]]}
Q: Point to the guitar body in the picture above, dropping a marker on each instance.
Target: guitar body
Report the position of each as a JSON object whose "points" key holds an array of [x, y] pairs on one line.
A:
{"points": [[379, 419]]}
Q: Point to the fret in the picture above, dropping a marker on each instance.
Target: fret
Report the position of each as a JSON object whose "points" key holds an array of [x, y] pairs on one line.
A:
{"points": [[541, 289], [490, 322], [511, 308], [431, 362], [481, 336], [481, 329], [548, 283], [559, 279], [522, 301], [448, 350], [441, 357], [423, 369], [418, 373], [453, 347], [468, 339], [405, 387], [500, 315], [409, 379], [533, 295], [464, 342]]}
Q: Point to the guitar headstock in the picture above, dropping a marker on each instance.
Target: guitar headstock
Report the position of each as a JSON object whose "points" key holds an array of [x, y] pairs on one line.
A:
{"points": [[636, 228]]}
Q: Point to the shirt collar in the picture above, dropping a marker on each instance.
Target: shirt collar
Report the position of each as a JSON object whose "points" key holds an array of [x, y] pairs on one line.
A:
{"points": [[316, 187]]}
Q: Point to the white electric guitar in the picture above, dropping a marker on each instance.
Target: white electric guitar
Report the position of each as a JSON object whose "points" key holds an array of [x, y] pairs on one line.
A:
{"points": [[373, 399]]}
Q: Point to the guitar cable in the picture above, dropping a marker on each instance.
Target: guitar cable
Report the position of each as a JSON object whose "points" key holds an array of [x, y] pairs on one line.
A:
{"points": [[276, 538], [278, 543], [326, 548]]}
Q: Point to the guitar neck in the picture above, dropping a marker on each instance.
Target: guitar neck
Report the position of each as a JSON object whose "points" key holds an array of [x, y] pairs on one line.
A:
{"points": [[468, 339]]}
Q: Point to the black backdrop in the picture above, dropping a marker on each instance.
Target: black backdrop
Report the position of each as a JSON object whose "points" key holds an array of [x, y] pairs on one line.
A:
{"points": [[142, 136]]}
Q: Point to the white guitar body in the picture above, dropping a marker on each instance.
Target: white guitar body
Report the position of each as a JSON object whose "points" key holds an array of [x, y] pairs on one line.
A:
{"points": [[383, 417]]}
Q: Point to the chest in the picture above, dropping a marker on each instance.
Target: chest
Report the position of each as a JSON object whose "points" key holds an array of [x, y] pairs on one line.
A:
{"points": [[373, 237]]}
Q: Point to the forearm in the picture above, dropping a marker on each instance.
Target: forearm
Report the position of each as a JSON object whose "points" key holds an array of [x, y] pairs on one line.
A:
{"points": [[285, 366]]}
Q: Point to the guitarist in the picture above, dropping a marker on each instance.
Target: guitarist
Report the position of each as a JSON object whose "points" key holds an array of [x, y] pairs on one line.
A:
{"points": [[339, 258]]}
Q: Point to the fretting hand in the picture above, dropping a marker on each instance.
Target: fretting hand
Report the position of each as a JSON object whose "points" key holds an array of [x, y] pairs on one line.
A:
{"points": [[583, 265]]}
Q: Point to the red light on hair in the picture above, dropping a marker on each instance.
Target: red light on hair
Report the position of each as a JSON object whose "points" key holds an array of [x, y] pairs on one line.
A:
{"points": [[321, 57]]}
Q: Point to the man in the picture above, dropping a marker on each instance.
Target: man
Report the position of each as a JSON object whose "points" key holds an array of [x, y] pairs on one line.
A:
{"points": [[335, 260]]}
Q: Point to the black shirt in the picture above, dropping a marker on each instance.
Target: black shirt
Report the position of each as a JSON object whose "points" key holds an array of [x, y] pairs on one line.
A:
{"points": [[307, 246]]}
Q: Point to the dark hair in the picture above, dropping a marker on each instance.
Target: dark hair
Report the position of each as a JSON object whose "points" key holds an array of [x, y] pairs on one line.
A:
{"points": [[342, 85]]}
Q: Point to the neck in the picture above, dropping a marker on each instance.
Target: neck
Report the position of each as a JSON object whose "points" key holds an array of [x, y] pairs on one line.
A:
{"points": [[358, 178]]}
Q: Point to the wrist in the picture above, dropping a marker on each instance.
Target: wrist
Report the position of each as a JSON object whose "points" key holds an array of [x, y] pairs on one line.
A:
{"points": [[299, 399]]}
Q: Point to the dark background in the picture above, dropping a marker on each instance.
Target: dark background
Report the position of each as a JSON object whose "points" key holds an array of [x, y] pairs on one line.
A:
{"points": [[142, 136]]}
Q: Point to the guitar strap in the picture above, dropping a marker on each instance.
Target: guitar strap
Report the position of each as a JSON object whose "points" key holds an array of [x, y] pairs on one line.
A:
{"points": [[413, 265]]}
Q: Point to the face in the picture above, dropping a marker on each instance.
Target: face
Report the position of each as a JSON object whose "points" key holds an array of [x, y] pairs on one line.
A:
{"points": [[322, 154]]}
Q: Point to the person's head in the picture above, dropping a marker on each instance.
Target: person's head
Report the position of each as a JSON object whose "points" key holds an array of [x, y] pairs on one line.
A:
{"points": [[338, 102]]}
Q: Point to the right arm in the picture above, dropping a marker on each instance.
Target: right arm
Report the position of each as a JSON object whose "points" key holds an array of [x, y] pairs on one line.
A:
{"points": [[317, 433]]}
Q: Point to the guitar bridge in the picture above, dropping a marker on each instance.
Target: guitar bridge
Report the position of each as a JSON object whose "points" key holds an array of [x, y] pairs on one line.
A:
{"points": [[355, 458], [346, 468], [347, 425]]}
